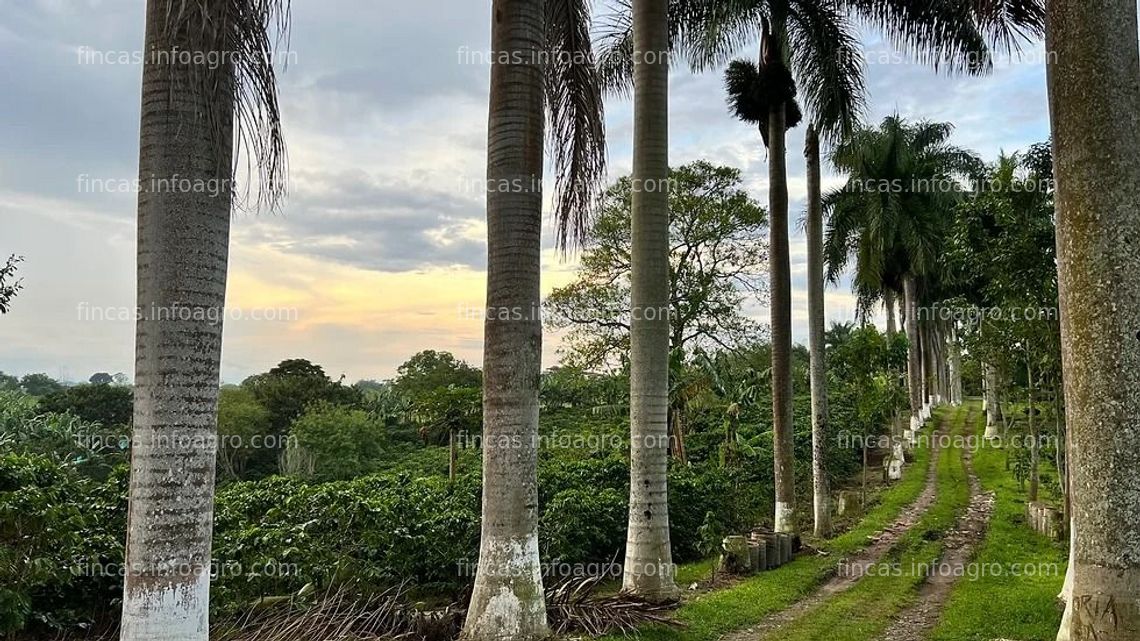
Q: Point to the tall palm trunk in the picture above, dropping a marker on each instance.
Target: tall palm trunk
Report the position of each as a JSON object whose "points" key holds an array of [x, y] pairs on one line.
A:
{"points": [[820, 494], [993, 406], [648, 558], [507, 600], [956, 391], [913, 355], [889, 306], [1094, 87], [780, 302], [183, 248], [1034, 449], [928, 371]]}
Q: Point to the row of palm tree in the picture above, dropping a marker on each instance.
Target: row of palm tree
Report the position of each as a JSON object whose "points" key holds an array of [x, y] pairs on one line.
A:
{"points": [[814, 45], [188, 120]]}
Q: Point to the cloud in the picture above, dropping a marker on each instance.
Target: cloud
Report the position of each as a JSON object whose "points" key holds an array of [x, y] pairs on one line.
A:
{"points": [[382, 237]]}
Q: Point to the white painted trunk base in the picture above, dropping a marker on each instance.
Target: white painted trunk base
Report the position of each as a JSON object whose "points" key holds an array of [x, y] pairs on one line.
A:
{"points": [[168, 612], [785, 517]]}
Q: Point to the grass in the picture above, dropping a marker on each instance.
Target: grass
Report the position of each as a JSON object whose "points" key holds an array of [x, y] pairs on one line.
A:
{"points": [[863, 612], [999, 604], [709, 616]]}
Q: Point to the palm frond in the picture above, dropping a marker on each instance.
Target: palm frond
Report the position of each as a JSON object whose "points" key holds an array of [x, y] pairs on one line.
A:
{"points": [[940, 33], [577, 138], [827, 59], [1008, 23], [241, 38], [573, 606], [741, 83]]}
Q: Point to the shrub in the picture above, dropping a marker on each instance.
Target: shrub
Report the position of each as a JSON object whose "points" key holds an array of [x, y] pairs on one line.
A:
{"points": [[333, 442], [60, 543], [584, 525]]}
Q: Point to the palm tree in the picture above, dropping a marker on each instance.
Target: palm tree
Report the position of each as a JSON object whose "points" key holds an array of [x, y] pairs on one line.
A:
{"points": [[813, 45], [507, 599], [1093, 90], [186, 135], [648, 555], [821, 494], [890, 216]]}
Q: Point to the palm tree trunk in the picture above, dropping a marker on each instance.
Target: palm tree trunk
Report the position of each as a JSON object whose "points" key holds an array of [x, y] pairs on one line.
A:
{"points": [[175, 416], [183, 249], [1034, 449], [993, 406], [889, 306], [1094, 88], [928, 379], [780, 303], [507, 599], [913, 355], [648, 557], [820, 493]]}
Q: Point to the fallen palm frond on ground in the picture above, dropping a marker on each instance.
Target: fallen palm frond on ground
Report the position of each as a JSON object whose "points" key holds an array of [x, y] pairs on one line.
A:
{"points": [[344, 615], [573, 606]]}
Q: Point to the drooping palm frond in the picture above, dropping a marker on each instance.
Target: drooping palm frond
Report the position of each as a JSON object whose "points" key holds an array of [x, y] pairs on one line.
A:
{"points": [[754, 89], [716, 31], [827, 58], [940, 33], [614, 40], [1008, 23], [238, 40], [741, 83], [577, 138]]}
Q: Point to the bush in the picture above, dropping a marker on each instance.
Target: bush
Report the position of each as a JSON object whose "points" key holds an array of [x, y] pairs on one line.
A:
{"points": [[380, 530], [584, 525], [333, 442], [60, 543]]}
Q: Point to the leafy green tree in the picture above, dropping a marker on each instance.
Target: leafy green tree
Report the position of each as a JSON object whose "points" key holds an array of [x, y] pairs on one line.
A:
{"points": [[892, 214], [1001, 256], [9, 383], [244, 427], [40, 384], [429, 370], [101, 378], [285, 392], [108, 405], [333, 442], [287, 389], [717, 262]]}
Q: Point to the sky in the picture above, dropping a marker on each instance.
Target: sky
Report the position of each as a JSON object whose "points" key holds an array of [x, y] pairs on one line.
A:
{"points": [[380, 243]]}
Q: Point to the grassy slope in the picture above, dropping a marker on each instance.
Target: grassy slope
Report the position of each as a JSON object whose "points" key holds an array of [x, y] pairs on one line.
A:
{"points": [[863, 612], [1014, 607], [711, 615]]}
